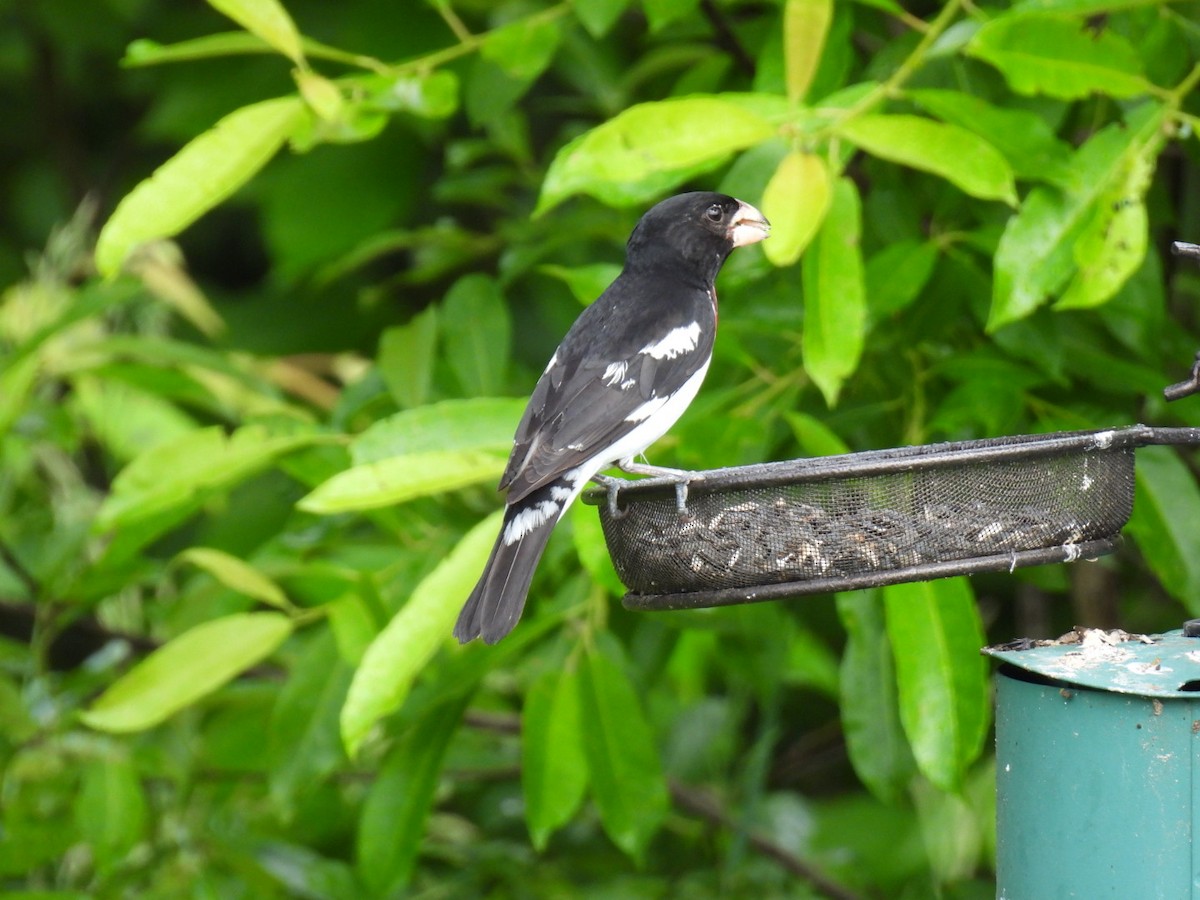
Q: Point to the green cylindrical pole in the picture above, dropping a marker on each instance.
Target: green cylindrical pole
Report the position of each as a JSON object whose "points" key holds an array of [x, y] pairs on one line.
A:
{"points": [[1097, 787]]}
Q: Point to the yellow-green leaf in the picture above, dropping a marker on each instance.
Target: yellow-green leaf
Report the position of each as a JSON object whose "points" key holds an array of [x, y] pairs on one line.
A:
{"points": [[237, 575], [187, 669], [322, 95], [649, 141], [398, 479], [1114, 243], [268, 20], [961, 157], [1062, 56], [395, 658], [205, 172], [805, 27], [796, 200]]}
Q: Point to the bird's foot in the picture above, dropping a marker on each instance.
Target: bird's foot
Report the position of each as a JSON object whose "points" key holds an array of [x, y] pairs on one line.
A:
{"points": [[681, 478]]}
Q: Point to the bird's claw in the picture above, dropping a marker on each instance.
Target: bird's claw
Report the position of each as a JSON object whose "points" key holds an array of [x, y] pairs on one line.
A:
{"points": [[612, 487], [680, 478]]}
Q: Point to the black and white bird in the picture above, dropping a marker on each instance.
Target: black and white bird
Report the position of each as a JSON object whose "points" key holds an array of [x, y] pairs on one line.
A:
{"points": [[622, 376]]}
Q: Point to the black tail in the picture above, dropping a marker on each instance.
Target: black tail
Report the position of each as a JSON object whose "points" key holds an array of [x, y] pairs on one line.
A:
{"points": [[495, 605]]}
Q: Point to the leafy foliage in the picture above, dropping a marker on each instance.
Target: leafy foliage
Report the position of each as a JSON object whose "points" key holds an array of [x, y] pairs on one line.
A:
{"points": [[244, 498]]}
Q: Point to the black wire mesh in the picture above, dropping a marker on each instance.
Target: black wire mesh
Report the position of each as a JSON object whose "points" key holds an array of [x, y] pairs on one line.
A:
{"points": [[862, 519]]}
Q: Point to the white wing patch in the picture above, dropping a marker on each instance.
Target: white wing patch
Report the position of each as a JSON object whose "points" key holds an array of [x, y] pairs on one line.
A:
{"points": [[647, 409], [676, 342]]}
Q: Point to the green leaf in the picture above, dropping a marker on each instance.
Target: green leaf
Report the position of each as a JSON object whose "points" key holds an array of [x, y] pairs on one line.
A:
{"points": [[180, 474], [110, 809], [205, 172], [322, 96], [834, 301], [125, 419], [591, 548], [631, 152], [661, 13], [814, 437], [553, 767], [430, 95], [1113, 244], [1059, 56], [237, 575], [1036, 254], [395, 658], [622, 756], [795, 201], [805, 27], [477, 331], [475, 423], [875, 737], [1163, 523], [268, 20], [393, 816], [1027, 142], [399, 479], [145, 52], [599, 16], [353, 627], [523, 48], [587, 282], [960, 156], [303, 743], [187, 669], [936, 635], [406, 358], [896, 275]]}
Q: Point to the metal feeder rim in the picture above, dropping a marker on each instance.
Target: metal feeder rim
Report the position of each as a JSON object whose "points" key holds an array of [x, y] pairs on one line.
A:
{"points": [[919, 457], [924, 572]]}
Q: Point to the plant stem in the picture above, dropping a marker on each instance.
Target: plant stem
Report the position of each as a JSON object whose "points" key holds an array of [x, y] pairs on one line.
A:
{"points": [[905, 70]]}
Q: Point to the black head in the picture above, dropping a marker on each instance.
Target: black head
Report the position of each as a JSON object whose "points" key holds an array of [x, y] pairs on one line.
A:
{"points": [[696, 230]]}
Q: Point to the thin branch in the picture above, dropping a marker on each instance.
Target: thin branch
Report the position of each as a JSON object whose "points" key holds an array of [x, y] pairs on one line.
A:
{"points": [[453, 22], [18, 569], [703, 805], [698, 804], [726, 38]]}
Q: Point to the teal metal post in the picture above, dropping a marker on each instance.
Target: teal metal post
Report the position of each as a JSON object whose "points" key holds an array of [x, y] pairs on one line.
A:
{"points": [[1097, 749]]}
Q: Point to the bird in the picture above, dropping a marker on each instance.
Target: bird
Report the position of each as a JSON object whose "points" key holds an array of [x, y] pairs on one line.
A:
{"points": [[624, 373]]}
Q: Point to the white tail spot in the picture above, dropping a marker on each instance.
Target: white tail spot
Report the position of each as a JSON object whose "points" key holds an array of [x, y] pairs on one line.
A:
{"points": [[528, 519]]}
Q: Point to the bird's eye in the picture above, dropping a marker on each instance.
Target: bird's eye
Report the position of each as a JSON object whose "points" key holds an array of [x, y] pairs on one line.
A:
{"points": [[715, 213]]}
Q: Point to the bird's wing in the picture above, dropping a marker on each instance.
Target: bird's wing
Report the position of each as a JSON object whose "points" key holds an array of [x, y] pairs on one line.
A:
{"points": [[596, 392]]}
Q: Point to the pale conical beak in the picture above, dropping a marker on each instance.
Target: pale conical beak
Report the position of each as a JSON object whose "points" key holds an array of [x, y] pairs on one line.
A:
{"points": [[749, 226]]}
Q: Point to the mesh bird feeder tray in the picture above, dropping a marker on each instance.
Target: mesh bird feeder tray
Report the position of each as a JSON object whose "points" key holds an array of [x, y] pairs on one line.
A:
{"points": [[859, 520]]}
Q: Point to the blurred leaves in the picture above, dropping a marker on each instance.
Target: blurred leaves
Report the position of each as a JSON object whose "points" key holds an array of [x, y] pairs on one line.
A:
{"points": [[248, 470]]}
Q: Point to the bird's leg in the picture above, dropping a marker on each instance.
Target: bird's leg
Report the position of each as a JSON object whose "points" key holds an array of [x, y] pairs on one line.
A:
{"points": [[681, 478]]}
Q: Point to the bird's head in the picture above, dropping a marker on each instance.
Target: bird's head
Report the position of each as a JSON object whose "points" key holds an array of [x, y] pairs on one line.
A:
{"points": [[699, 229]]}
